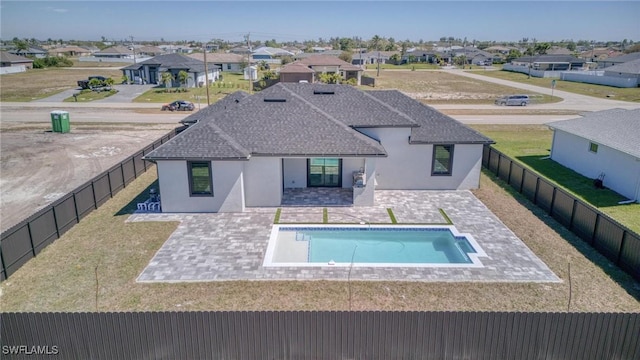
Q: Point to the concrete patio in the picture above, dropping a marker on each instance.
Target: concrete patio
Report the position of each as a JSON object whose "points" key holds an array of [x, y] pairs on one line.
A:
{"points": [[232, 246]]}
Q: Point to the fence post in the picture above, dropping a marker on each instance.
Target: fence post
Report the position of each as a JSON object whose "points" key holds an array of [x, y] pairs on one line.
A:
{"points": [[573, 212], [535, 194], [553, 201], [509, 175], [33, 248], [124, 181], [133, 159], [624, 232], [522, 180], [595, 228], [93, 190], [4, 268], [55, 221], [75, 207], [498, 167]]}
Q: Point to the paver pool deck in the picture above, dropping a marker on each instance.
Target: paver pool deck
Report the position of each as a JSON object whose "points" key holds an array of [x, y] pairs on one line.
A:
{"points": [[232, 246]]}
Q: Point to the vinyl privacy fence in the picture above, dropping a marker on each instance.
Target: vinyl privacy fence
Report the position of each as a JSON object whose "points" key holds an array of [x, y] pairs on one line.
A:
{"points": [[615, 241], [26, 239], [322, 335]]}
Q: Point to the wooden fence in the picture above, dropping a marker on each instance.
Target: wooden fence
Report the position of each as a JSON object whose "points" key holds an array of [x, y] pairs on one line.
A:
{"points": [[615, 241], [26, 239], [322, 335]]}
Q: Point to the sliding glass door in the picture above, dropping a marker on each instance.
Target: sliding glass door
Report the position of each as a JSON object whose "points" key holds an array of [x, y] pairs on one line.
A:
{"points": [[324, 172]]}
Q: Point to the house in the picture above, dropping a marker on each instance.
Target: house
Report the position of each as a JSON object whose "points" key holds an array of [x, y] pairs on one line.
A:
{"points": [[226, 61], [269, 55], [603, 142], [70, 51], [115, 52], [253, 150], [176, 49], [550, 62], [628, 69], [296, 72], [149, 51], [611, 61], [11, 60], [31, 51], [303, 55], [320, 64], [150, 71], [373, 57]]}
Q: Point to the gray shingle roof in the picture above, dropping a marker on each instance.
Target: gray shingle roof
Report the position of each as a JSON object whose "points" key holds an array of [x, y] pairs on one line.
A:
{"points": [[174, 61], [290, 119], [624, 58], [208, 113], [434, 127], [628, 67], [616, 128]]}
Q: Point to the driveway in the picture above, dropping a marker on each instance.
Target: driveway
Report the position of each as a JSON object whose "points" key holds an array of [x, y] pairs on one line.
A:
{"points": [[125, 94]]}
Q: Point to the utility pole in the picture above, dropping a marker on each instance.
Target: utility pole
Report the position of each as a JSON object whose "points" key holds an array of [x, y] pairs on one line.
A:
{"points": [[133, 49], [249, 62], [206, 75]]}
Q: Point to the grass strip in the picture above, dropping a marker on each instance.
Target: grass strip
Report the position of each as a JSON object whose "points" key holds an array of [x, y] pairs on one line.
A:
{"points": [[392, 216], [325, 216], [446, 217], [276, 219]]}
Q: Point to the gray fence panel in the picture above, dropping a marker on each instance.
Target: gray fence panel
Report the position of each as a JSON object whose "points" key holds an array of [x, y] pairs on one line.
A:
{"points": [[102, 189], [16, 249], [504, 168], [43, 230], [116, 179], [515, 179], [630, 254], [494, 158], [84, 200], [544, 197], [608, 238], [328, 335], [584, 221], [128, 170], [529, 185], [139, 163], [485, 155], [65, 211], [562, 207]]}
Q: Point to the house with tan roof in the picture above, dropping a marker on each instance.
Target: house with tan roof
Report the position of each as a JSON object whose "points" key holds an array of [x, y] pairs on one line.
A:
{"points": [[318, 64], [69, 51], [257, 150]]}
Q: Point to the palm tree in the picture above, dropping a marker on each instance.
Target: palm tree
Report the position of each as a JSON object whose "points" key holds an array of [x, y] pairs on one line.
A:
{"points": [[167, 77], [183, 77]]}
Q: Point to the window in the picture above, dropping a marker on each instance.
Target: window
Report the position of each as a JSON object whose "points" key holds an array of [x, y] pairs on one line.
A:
{"points": [[228, 66], [593, 147], [442, 159], [200, 181]]}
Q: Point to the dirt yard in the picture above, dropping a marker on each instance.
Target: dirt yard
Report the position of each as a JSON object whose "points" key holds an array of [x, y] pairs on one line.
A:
{"points": [[31, 153]]}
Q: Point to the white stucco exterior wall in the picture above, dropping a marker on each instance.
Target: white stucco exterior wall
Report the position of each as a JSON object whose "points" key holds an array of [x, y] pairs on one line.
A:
{"points": [[408, 167], [263, 181], [295, 173], [622, 171], [228, 184], [349, 165]]}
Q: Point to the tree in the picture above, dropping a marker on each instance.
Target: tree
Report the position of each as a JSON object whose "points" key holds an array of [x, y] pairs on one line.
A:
{"points": [[271, 43], [95, 83], [346, 44], [542, 48], [571, 46], [330, 78], [513, 54], [183, 77], [167, 78], [396, 59], [346, 56], [375, 42], [391, 45]]}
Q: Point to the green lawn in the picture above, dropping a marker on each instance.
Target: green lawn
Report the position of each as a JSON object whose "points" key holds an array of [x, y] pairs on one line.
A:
{"points": [[89, 95], [416, 66], [530, 144], [231, 82], [599, 91]]}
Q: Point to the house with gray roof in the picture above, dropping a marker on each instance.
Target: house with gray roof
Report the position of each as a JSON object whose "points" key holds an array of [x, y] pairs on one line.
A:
{"points": [[251, 151], [150, 71], [11, 60], [602, 143], [318, 64]]}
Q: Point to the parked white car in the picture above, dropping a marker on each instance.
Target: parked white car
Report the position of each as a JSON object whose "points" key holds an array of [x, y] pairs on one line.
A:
{"points": [[515, 100]]}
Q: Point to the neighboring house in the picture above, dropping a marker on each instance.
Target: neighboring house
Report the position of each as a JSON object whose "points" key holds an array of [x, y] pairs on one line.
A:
{"points": [[296, 72], [32, 51], [115, 52], [240, 50], [150, 71], [176, 49], [149, 51], [611, 61], [252, 150], [603, 142], [323, 64], [600, 54], [303, 55], [226, 61], [269, 54], [373, 57], [70, 51], [11, 60], [550, 62], [628, 69]]}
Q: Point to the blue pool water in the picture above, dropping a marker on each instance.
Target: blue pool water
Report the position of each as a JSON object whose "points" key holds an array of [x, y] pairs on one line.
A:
{"points": [[383, 245]]}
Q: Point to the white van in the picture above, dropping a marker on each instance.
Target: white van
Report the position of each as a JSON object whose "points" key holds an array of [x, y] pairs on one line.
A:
{"points": [[516, 100]]}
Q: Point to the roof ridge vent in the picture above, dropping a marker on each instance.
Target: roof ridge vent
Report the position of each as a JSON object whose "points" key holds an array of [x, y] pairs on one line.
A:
{"points": [[324, 92], [275, 99]]}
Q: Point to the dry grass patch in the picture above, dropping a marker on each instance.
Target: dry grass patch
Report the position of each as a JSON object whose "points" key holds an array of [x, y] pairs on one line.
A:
{"points": [[63, 276], [436, 87], [40, 83]]}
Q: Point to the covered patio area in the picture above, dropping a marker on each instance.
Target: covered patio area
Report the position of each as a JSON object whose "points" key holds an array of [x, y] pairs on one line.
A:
{"points": [[319, 196]]}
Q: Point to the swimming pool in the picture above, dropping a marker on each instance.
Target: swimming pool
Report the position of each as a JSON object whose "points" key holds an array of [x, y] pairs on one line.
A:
{"points": [[372, 246]]}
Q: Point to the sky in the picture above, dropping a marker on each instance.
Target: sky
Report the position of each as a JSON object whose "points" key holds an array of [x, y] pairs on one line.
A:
{"points": [[310, 20]]}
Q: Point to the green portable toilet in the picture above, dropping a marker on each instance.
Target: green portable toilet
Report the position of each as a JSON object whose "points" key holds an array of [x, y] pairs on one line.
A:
{"points": [[60, 121]]}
